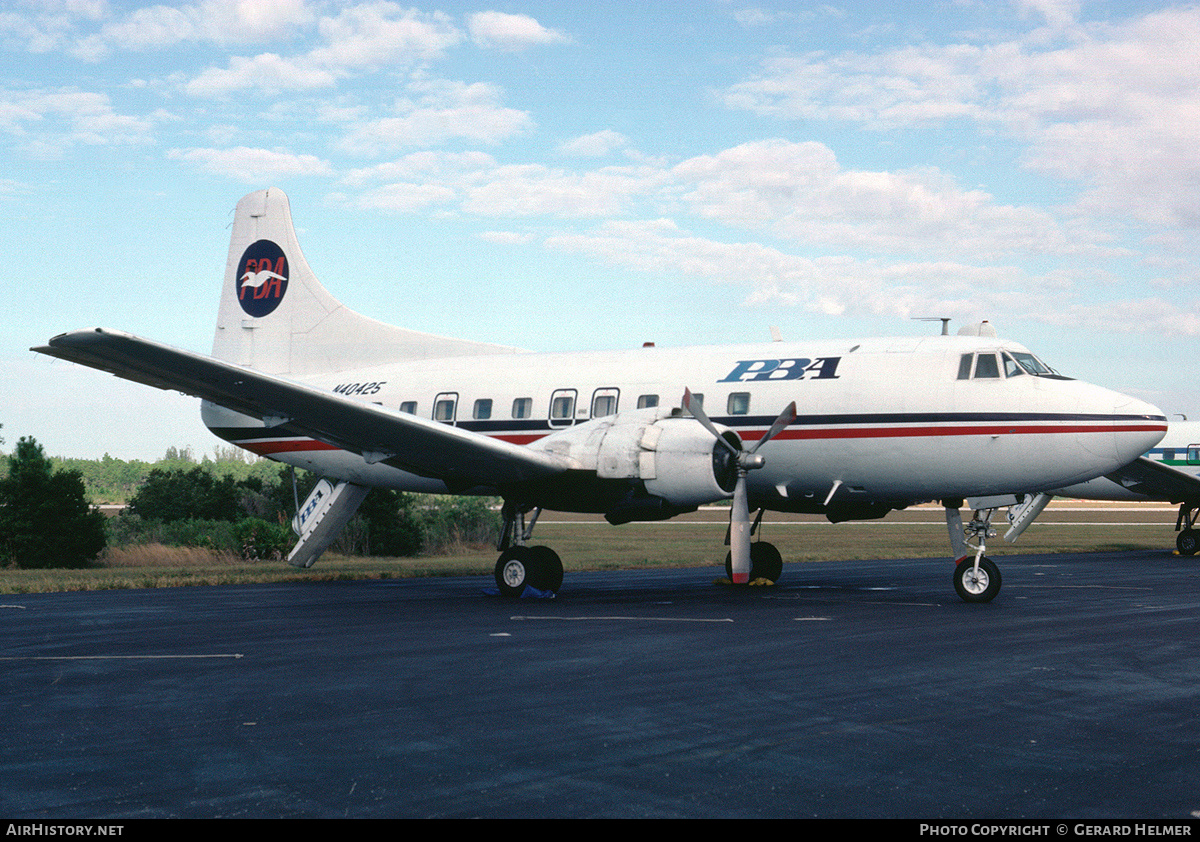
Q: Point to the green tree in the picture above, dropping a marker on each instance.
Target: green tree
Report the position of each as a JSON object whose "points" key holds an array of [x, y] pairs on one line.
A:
{"points": [[45, 519], [179, 494]]}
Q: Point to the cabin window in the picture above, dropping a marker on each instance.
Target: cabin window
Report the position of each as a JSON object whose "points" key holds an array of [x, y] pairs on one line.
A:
{"points": [[562, 407], [1168, 454], [444, 406], [647, 401], [604, 402], [483, 409], [738, 403], [699, 399], [409, 406], [1193, 454], [522, 408]]}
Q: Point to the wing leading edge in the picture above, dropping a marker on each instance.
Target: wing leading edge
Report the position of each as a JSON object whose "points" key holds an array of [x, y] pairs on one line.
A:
{"points": [[1157, 481], [459, 457]]}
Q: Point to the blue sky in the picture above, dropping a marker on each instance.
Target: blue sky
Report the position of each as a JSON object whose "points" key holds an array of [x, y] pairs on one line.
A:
{"points": [[574, 176]]}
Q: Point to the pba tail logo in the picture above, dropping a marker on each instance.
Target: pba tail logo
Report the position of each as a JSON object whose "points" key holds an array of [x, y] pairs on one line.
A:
{"points": [[262, 278]]}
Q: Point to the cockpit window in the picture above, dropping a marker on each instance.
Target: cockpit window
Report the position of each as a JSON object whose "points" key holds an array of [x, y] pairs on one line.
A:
{"points": [[985, 366], [1032, 364], [1011, 367], [989, 365]]}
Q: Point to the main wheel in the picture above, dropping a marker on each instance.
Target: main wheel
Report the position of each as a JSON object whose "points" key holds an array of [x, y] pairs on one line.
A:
{"points": [[538, 567], [976, 587], [765, 562], [513, 570], [1187, 542], [547, 569]]}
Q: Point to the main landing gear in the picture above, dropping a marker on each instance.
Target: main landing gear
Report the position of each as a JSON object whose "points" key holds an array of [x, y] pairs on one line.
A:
{"points": [[1188, 539], [766, 563], [521, 566]]}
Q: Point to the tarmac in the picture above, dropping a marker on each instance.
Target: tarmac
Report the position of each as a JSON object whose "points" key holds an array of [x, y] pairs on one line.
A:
{"points": [[855, 689]]}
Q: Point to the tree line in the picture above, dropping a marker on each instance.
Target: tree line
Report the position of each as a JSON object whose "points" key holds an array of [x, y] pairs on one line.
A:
{"points": [[233, 503]]}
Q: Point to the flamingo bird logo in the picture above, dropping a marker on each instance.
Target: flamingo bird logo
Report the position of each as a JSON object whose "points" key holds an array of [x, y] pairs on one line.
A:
{"points": [[254, 280]]}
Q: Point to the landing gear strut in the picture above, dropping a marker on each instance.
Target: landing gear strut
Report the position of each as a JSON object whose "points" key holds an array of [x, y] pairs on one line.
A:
{"points": [[519, 565]]}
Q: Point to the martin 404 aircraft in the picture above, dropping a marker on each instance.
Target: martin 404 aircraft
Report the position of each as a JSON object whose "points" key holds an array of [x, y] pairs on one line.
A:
{"points": [[642, 434]]}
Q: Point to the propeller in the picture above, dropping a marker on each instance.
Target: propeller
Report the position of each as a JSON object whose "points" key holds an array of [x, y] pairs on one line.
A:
{"points": [[745, 460]]}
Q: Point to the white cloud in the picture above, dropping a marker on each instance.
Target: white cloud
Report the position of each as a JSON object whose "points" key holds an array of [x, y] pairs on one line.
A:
{"points": [[510, 32], [441, 111], [254, 166], [216, 21], [798, 191], [67, 117], [1114, 109], [269, 73], [595, 145], [361, 38]]}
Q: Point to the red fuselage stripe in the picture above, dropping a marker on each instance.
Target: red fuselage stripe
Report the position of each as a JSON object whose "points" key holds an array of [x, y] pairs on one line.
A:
{"points": [[266, 448]]}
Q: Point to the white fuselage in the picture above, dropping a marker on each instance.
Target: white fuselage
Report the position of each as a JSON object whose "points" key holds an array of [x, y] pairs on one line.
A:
{"points": [[881, 420]]}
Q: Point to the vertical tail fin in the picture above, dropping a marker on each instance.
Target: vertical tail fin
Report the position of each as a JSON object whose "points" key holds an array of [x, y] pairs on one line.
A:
{"points": [[276, 317]]}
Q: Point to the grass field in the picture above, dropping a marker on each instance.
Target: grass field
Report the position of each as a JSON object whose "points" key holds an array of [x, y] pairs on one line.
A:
{"points": [[588, 543]]}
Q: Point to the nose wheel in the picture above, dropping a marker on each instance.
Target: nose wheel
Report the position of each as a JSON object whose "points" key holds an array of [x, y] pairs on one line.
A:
{"points": [[976, 583]]}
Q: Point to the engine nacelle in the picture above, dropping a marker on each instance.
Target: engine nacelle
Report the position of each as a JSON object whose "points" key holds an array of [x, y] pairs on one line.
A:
{"points": [[664, 455]]}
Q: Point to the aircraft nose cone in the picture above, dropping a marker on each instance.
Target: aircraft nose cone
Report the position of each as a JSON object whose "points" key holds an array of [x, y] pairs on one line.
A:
{"points": [[1139, 426]]}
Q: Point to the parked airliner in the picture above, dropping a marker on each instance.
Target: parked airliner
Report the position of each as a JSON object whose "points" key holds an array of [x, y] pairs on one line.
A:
{"points": [[848, 428]]}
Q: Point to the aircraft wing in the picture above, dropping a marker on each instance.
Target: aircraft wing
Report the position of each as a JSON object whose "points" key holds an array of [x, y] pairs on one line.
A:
{"points": [[461, 458], [1157, 481]]}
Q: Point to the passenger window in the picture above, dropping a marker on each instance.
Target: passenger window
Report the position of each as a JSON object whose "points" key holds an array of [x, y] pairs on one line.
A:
{"points": [[1193, 454], [483, 409], [443, 407], [562, 407], [604, 402], [738, 403], [522, 408], [647, 401], [409, 406], [1168, 454], [699, 399], [985, 366]]}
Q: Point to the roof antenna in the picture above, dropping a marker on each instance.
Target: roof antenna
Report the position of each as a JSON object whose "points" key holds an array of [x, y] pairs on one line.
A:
{"points": [[945, 320]]}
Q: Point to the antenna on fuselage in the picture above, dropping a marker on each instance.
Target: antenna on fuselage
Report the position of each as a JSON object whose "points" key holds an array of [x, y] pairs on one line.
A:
{"points": [[945, 320]]}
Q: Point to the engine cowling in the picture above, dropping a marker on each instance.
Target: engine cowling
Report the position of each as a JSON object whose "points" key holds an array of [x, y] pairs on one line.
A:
{"points": [[671, 463]]}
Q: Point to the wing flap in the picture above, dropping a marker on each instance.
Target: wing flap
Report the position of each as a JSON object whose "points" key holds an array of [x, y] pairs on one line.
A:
{"points": [[1157, 481], [417, 445]]}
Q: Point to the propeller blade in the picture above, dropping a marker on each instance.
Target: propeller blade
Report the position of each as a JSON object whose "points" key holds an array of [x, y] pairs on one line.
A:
{"points": [[739, 533], [785, 418], [693, 406]]}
